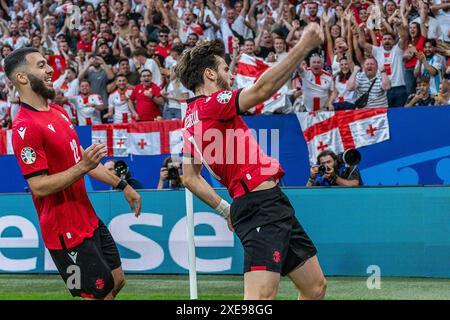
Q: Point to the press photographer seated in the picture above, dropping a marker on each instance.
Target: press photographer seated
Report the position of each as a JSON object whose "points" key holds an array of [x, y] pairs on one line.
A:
{"points": [[170, 174], [334, 170]]}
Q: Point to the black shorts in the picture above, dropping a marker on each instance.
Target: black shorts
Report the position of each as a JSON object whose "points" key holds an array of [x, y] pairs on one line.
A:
{"points": [[271, 235], [86, 268]]}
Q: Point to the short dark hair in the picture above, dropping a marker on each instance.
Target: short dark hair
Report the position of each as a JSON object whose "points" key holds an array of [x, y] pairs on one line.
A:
{"points": [[423, 79], [179, 48], [326, 153], [430, 41], [16, 59], [139, 52], [146, 70], [84, 80], [124, 60], [194, 62]]}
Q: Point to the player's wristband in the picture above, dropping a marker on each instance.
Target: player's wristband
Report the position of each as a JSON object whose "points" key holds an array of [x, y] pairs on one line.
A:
{"points": [[122, 185], [224, 208]]}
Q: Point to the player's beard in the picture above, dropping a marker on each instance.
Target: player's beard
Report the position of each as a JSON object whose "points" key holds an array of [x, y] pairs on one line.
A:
{"points": [[40, 88], [222, 84]]}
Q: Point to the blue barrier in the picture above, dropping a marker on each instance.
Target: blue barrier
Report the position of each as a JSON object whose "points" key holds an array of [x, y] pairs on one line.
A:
{"points": [[403, 230], [418, 152]]}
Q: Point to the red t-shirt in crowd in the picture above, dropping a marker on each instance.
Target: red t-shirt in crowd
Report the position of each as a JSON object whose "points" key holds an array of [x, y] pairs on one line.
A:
{"points": [[86, 46], [216, 135], [146, 108], [163, 51], [45, 142], [58, 64], [411, 63]]}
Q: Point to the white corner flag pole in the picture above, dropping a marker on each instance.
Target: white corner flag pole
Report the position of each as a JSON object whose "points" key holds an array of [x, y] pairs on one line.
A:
{"points": [[190, 233]]}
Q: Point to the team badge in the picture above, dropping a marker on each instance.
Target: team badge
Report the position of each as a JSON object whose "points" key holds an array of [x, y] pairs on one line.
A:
{"points": [[224, 97], [28, 155]]}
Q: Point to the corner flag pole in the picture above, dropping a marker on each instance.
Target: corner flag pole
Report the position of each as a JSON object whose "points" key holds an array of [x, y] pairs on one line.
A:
{"points": [[190, 233]]}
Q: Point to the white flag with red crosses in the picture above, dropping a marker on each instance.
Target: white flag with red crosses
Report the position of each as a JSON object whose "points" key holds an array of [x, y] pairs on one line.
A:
{"points": [[342, 130], [139, 138], [249, 69]]}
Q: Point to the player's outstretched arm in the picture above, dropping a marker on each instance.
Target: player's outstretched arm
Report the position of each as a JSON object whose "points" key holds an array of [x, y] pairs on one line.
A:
{"points": [[44, 185], [194, 181], [275, 77], [102, 174]]}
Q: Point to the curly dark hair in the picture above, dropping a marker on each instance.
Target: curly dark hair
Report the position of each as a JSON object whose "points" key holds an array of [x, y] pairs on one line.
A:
{"points": [[193, 63]]}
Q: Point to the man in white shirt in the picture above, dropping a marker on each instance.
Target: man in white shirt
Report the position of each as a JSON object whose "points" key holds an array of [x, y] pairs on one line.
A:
{"points": [[317, 85], [441, 10], [429, 65], [232, 24], [88, 105], [68, 83], [119, 106], [390, 59]]}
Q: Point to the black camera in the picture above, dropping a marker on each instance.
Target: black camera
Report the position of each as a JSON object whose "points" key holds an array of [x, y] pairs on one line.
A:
{"points": [[322, 170], [121, 169], [350, 157], [173, 173]]}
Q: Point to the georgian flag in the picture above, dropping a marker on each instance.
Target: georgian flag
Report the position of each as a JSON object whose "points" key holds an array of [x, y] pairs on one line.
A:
{"points": [[5, 142], [342, 130], [249, 69], [176, 141]]}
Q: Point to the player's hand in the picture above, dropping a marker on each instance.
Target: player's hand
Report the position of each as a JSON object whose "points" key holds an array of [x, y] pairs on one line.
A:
{"points": [[134, 199], [313, 36], [230, 224], [93, 155]]}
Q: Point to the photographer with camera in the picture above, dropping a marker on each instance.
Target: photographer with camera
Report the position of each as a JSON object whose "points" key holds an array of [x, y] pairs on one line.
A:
{"points": [[170, 175], [336, 170], [120, 169]]}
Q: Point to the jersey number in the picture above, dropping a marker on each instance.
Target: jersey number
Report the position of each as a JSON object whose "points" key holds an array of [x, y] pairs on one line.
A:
{"points": [[74, 147]]}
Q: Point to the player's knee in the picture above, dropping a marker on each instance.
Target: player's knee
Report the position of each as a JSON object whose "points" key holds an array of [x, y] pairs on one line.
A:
{"points": [[318, 290], [263, 292]]}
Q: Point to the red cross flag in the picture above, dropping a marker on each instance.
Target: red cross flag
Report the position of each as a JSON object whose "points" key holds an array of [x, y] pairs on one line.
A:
{"points": [[249, 69], [140, 138], [342, 130], [153, 137], [5, 142]]}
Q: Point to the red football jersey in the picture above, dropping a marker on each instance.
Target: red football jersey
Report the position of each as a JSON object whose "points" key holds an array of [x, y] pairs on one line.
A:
{"points": [[145, 107], [46, 142], [216, 135]]}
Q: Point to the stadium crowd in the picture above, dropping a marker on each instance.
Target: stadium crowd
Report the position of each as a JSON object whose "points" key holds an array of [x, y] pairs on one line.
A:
{"points": [[114, 61]]}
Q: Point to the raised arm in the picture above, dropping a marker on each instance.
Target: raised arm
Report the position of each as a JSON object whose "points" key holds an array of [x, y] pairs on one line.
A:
{"points": [[351, 84], [215, 10], [274, 78], [362, 39]]}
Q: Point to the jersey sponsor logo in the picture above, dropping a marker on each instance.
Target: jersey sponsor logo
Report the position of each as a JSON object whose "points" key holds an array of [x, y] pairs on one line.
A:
{"points": [[224, 97], [28, 155], [73, 256], [21, 132], [50, 126]]}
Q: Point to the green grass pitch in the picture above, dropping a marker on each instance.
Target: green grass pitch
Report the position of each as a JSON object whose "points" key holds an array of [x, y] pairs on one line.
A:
{"points": [[224, 287]]}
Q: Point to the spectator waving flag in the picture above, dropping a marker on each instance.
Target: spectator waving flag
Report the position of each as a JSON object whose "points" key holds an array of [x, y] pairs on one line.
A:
{"points": [[342, 130], [249, 69]]}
